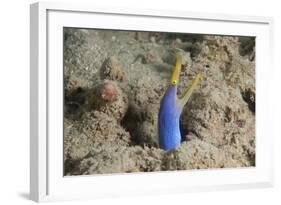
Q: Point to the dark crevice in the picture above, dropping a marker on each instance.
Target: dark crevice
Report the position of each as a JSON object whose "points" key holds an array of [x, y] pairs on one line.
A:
{"points": [[249, 97], [73, 102], [184, 130], [247, 47], [71, 166], [130, 122]]}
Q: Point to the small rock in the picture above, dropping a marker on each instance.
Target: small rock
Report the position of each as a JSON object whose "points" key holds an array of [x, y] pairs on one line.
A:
{"points": [[152, 57], [152, 39], [189, 136]]}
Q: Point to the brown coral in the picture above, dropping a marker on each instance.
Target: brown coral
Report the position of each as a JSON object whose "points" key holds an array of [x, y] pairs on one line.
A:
{"points": [[196, 154], [82, 139], [122, 159], [108, 92], [111, 69], [109, 98]]}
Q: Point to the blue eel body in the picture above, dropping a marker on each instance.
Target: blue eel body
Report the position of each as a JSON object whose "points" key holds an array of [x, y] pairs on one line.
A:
{"points": [[169, 115], [170, 110]]}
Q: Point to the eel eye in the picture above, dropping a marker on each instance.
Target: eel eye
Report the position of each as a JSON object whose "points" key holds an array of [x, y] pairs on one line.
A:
{"points": [[174, 82]]}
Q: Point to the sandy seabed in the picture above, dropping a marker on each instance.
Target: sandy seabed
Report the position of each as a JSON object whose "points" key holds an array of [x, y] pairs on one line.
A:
{"points": [[113, 85]]}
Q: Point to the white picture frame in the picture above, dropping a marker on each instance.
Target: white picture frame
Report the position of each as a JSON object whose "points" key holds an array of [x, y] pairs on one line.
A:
{"points": [[47, 182]]}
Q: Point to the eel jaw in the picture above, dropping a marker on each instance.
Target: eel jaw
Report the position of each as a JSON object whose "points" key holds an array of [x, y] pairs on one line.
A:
{"points": [[175, 78], [185, 97]]}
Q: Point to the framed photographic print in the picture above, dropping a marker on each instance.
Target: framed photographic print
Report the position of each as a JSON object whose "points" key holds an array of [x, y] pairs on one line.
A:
{"points": [[127, 102]]}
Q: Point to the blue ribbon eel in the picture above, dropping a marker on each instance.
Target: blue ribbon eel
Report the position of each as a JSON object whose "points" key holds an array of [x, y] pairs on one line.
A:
{"points": [[171, 108]]}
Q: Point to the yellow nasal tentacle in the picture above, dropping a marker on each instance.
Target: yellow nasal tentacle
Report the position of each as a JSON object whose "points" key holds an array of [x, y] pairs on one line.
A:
{"points": [[177, 69]]}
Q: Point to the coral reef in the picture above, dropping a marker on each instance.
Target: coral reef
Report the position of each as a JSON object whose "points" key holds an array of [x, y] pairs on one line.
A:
{"points": [[113, 84]]}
